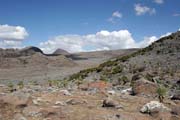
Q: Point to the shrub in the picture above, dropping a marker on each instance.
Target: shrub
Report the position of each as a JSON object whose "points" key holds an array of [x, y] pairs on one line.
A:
{"points": [[123, 80], [11, 87], [21, 84], [161, 91], [50, 83], [103, 78], [117, 69]]}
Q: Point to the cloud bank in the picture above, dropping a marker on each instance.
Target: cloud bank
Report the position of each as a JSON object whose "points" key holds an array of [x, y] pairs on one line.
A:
{"points": [[103, 40], [12, 36]]}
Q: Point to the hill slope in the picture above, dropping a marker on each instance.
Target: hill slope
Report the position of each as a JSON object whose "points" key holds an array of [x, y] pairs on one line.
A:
{"points": [[159, 61]]}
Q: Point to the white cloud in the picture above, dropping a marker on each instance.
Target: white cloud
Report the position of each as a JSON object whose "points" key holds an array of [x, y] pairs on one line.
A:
{"points": [[159, 1], [12, 32], [12, 36], [103, 40], [147, 41], [117, 14], [141, 10]]}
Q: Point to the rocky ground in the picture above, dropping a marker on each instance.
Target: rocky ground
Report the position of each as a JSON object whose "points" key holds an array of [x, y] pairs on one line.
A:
{"points": [[95, 101], [140, 85]]}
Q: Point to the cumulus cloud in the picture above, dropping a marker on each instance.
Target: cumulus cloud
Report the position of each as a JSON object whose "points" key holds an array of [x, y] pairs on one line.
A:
{"points": [[12, 32], [115, 15], [12, 36], [141, 10], [103, 40], [159, 1], [147, 41]]}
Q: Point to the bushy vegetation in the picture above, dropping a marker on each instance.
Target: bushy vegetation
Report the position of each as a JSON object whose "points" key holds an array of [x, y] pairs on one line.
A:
{"points": [[161, 91], [57, 83], [123, 80], [11, 87], [117, 69], [20, 84]]}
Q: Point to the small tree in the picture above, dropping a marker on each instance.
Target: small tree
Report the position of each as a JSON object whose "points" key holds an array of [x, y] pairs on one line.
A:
{"points": [[21, 84], [161, 91], [11, 86]]}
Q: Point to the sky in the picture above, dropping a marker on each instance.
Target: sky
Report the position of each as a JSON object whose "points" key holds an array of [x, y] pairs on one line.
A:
{"points": [[86, 25]]}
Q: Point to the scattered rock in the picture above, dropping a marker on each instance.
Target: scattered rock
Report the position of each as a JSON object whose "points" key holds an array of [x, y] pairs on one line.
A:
{"points": [[61, 103], [127, 91], [65, 92], [154, 106], [111, 103], [19, 116], [32, 111], [18, 99], [111, 92], [144, 87], [176, 110], [176, 95], [75, 101]]}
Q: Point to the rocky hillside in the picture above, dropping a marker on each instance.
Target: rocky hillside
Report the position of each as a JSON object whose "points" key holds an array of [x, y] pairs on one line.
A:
{"points": [[159, 62]]}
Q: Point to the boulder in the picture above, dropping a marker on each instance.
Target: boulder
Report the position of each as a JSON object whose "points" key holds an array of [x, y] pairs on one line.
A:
{"points": [[17, 99], [61, 103], [176, 110], [144, 87], [111, 103], [153, 107], [127, 91], [75, 101], [111, 92], [65, 92], [176, 95], [19, 116]]}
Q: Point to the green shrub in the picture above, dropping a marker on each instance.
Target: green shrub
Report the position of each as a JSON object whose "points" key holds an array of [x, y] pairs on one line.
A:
{"points": [[21, 84], [11, 86], [123, 80], [161, 91], [103, 78], [117, 69]]}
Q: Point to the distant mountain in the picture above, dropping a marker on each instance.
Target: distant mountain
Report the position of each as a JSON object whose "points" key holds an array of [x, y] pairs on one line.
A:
{"points": [[61, 52], [30, 51], [31, 63], [12, 53], [160, 61]]}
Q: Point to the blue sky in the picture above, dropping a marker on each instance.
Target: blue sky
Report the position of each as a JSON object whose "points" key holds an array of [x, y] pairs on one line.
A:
{"points": [[47, 20]]}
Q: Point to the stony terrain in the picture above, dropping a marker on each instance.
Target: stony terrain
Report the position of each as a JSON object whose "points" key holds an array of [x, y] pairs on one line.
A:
{"points": [[132, 85], [97, 102]]}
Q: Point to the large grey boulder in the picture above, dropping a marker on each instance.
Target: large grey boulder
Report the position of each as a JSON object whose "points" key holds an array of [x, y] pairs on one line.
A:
{"points": [[154, 106]]}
